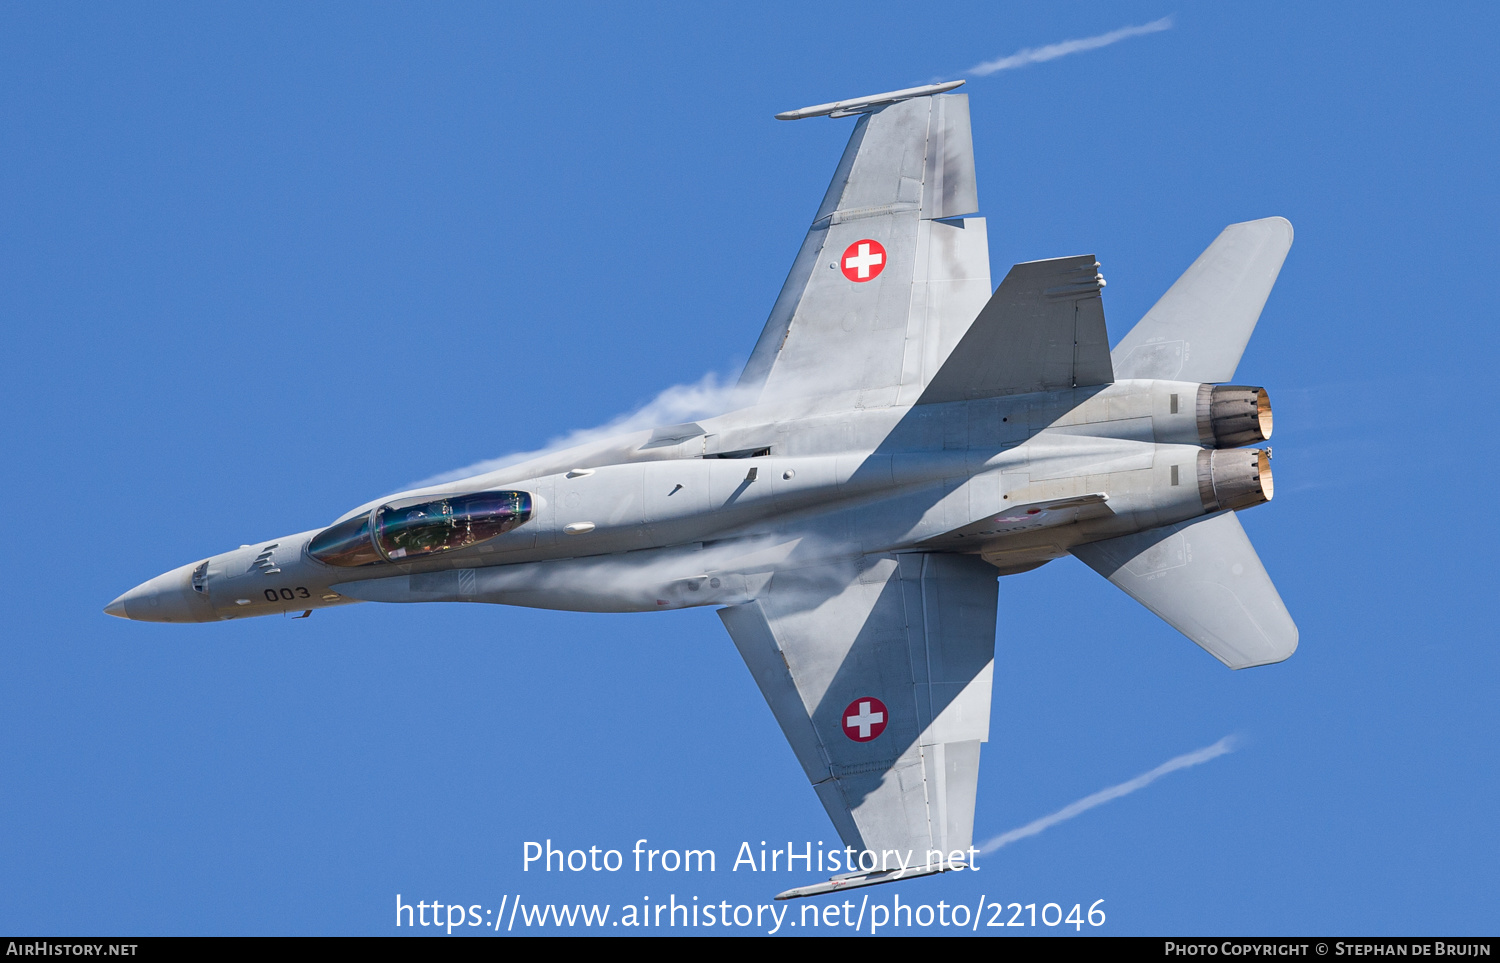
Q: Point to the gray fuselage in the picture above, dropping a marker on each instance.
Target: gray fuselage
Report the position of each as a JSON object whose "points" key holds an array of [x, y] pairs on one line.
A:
{"points": [[632, 524]]}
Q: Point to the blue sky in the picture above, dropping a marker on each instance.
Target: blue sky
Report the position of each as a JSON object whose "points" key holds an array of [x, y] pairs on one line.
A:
{"points": [[260, 264]]}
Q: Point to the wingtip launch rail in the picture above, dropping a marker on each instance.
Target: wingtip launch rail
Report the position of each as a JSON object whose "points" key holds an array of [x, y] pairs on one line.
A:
{"points": [[858, 105]]}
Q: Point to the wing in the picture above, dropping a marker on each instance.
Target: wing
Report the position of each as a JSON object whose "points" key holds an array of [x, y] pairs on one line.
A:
{"points": [[1042, 330], [1204, 578], [878, 672], [1199, 328], [914, 286]]}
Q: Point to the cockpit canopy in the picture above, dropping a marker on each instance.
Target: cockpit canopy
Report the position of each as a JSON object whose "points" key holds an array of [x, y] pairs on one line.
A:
{"points": [[407, 530]]}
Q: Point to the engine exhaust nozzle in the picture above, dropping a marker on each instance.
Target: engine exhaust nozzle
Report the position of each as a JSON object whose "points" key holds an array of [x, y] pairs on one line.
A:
{"points": [[1233, 415], [1231, 480]]}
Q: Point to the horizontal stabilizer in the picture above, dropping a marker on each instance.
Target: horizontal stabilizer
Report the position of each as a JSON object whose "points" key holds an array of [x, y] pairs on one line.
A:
{"points": [[1043, 329], [1204, 578], [1199, 328]]}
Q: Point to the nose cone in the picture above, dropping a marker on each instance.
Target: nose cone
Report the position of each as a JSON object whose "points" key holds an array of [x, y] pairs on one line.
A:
{"points": [[166, 598]]}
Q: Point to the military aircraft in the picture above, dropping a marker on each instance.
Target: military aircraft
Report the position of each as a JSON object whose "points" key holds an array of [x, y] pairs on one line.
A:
{"points": [[906, 436]]}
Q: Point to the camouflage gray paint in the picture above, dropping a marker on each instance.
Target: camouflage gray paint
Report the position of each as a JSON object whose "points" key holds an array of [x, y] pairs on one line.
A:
{"points": [[905, 437]]}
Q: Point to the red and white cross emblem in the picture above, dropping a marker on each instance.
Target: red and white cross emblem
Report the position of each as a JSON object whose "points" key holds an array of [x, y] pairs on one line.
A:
{"points": [[865, 719], [863, 260]]}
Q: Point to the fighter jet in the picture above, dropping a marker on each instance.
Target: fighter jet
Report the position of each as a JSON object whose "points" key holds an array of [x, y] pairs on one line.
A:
{"points": [[907, 435]]}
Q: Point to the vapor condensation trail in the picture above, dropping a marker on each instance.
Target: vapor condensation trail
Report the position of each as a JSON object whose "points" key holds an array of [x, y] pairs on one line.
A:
{"points": [[1036, 55], [1103, 796], [710, 395]]}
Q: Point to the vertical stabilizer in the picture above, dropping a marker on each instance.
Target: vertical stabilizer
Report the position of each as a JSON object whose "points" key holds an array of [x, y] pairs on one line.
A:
{"points": [[1199, 328]]}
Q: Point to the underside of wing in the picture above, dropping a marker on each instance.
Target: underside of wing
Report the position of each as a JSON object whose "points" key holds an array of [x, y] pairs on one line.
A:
{"points": [[889, 276], [878, 671]]}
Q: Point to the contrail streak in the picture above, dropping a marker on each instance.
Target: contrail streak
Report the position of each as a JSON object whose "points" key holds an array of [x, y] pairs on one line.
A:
{"points": [[1103, 796], [1036, 55], [710, 395]]}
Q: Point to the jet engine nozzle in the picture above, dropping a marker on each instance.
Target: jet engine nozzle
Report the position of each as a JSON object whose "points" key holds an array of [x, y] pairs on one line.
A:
{"points": [[1233, 415], [1231, 480]]}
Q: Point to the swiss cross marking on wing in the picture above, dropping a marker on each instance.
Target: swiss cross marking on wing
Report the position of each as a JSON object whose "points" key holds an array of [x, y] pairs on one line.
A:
{"points": [[863, 260], [865, 719]]}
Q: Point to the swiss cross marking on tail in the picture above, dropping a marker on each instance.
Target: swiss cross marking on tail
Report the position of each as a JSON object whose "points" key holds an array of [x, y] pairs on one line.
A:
{"points": [[863, 260], [865, 719]]}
